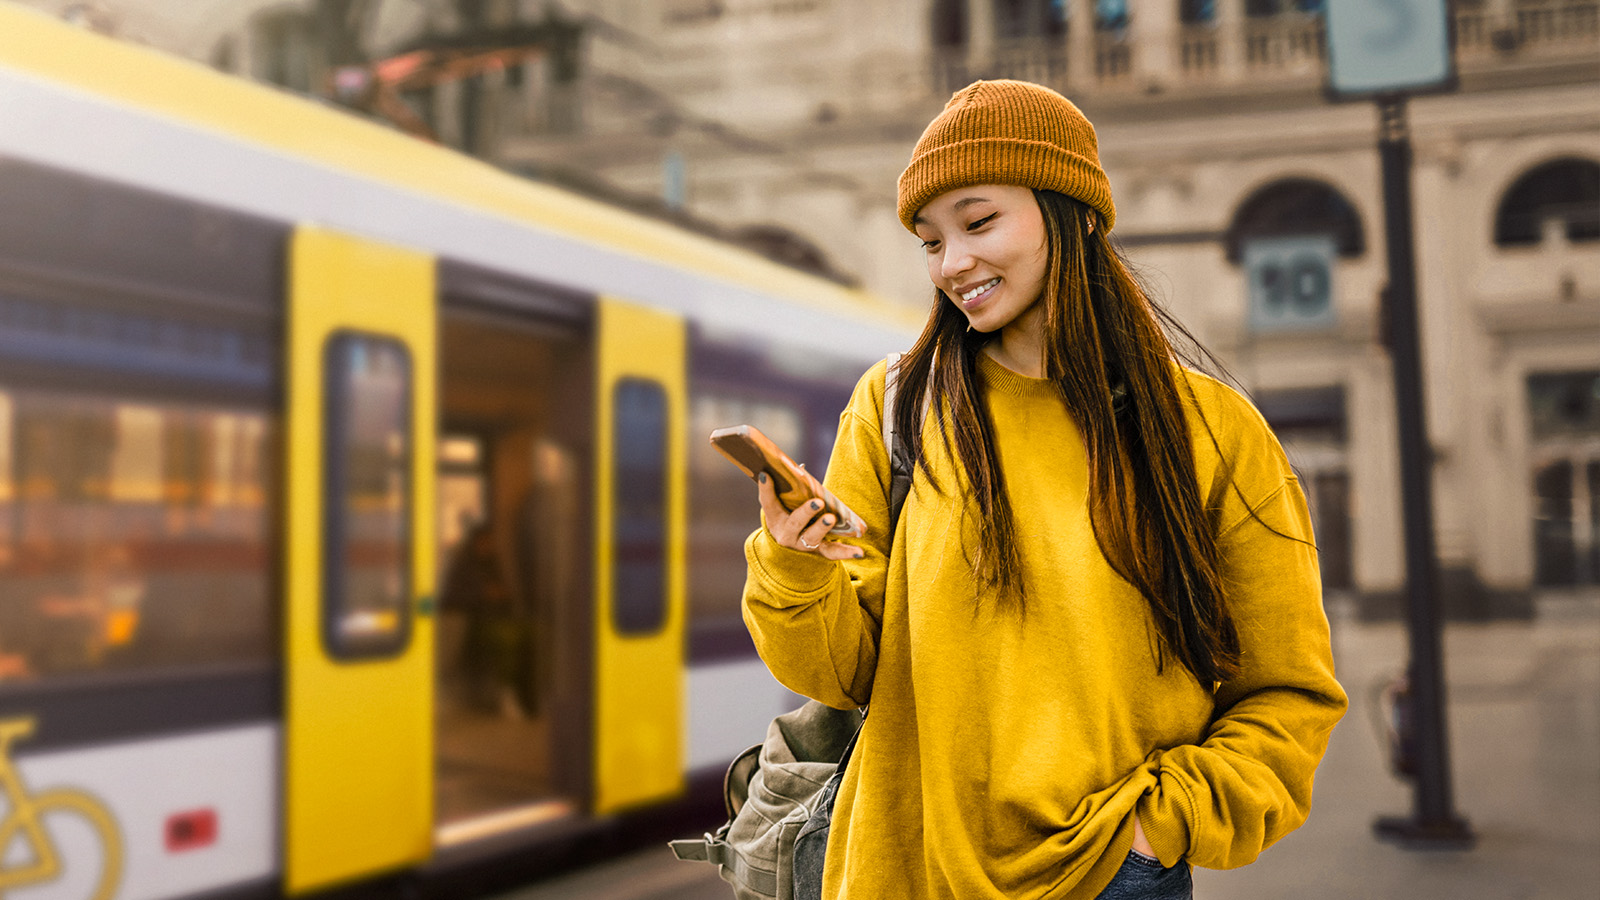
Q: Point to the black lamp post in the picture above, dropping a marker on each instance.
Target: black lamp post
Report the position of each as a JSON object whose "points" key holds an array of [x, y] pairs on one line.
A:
{"points": [[1387, 50]]}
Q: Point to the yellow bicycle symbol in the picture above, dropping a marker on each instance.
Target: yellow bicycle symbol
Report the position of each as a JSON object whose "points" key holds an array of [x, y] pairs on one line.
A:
{"points": [[25, 815]]}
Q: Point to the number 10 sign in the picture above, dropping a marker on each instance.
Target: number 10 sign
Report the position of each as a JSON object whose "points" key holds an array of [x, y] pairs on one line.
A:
{"points": [[1291, 283]]}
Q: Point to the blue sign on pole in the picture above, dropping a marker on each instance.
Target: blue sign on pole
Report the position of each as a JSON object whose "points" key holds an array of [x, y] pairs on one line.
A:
{"points": [[1291, 283], [1388, 47]]}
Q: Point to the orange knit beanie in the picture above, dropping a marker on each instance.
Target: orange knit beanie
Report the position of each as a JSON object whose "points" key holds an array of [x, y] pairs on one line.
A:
{"points": [[1007, 132]]}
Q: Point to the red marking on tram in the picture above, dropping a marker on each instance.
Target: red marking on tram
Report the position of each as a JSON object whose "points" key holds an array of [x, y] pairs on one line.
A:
{"points": [[191, 830]]}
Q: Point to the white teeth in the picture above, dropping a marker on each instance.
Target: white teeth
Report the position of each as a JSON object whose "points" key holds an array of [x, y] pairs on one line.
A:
{"points": [[980, 289]]}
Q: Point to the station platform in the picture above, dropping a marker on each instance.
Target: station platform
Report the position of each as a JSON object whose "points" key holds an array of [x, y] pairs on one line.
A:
{"points": [[1524, 728]]}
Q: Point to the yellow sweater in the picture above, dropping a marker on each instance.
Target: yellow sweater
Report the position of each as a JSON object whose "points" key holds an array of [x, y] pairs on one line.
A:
{"points": [[1004, 757]]}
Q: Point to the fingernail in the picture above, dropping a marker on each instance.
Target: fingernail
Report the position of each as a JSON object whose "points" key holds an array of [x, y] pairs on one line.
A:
{"points": [[859, 554], [762, 478], [816, 504], [827, 520]]}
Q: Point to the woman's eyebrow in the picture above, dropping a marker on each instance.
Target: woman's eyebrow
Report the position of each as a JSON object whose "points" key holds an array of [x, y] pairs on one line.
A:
{"points": [[961, 204]]}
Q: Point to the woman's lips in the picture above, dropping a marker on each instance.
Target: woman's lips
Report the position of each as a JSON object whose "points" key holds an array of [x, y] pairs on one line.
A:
{"points": [[971, 301]]}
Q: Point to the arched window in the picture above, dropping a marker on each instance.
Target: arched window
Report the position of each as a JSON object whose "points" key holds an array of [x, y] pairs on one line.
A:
{"points": [[1564, 191], [1296, 206], [949, 24]]}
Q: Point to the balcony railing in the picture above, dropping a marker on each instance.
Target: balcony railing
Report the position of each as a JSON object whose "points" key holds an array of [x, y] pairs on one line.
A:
{"points": [[1288, 48], [1553, 22], [1113, 58], [1290, 43], [1197, 51], [1043, 62], [1534, 25]]}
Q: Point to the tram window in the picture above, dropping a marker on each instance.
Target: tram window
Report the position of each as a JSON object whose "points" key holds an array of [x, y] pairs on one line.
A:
{"points": [[366, 579], [722, 500], [639, 501], [134, 533]]}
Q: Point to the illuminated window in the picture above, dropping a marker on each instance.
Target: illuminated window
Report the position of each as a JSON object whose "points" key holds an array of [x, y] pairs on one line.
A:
{"points": [[133, 534]]}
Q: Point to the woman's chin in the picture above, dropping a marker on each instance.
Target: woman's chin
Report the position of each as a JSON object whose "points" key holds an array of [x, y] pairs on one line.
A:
{"points": [[980, 324]]}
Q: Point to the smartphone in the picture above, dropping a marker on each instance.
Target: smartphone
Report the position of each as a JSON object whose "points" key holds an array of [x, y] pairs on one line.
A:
{"points": [[753, 452]]}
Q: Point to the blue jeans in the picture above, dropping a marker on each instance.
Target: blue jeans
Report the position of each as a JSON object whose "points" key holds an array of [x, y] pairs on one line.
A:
{"points": [[1142, 878]]}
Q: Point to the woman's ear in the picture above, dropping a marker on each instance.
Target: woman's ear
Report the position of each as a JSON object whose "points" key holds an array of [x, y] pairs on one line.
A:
{"points": [[1091, 225]]}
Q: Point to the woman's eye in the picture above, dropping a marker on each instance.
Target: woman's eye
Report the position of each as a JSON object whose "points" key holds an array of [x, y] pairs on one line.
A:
{"points": [[982, 222], [930, 246]]}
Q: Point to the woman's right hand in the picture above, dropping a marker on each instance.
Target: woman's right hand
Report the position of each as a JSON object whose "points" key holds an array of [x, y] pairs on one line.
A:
{"points": [[805, 529], [1141, 844]]}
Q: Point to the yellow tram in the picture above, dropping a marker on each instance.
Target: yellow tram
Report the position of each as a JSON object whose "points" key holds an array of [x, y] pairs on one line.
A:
{"points": [[356, 520]]}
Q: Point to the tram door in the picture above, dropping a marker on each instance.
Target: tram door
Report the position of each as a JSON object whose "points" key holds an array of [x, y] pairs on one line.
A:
{"points": [[639, 568], [359, 560], [512, 667]]}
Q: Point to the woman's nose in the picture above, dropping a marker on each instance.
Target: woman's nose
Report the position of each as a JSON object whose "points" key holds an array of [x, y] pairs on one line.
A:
{"points": [[956, 259]]}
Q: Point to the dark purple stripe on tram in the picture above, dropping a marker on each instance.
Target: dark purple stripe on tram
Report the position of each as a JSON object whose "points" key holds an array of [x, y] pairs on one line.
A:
{"points": [[85, 710], [719, 640]]}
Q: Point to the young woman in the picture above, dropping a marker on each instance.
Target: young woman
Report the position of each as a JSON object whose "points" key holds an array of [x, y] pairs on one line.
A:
{"points": [[1095, 652]]}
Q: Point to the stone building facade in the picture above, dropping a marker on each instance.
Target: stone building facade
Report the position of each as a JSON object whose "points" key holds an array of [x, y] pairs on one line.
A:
{"points": [[1251, 202]]}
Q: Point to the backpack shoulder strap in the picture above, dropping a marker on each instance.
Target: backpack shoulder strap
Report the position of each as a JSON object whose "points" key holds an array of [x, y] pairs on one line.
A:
{"points": [[899, 456]]}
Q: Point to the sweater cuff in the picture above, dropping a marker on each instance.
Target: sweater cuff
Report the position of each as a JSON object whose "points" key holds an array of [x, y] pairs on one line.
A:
{"points": [[1165, 814], [798, 575]]}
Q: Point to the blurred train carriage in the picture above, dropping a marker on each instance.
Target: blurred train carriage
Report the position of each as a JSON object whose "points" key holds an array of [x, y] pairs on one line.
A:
{"points": [[355, 512]]}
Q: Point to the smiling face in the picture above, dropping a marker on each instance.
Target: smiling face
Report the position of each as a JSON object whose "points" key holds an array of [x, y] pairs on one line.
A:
{"points": [[986, 251]]}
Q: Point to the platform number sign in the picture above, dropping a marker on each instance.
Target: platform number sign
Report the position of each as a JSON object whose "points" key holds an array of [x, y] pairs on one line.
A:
{"points": [[1291, 283]]}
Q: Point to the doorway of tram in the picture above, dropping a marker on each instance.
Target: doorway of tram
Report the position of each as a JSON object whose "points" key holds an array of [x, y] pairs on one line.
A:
{"points": [[511, 708]]}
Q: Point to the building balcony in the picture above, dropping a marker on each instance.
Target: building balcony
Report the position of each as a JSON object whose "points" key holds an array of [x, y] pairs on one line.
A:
{"points": [[1528, 28], [1286, 52]]}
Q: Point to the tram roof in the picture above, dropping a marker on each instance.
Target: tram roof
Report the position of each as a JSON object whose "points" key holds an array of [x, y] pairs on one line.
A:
{"points": [[142, 89]]}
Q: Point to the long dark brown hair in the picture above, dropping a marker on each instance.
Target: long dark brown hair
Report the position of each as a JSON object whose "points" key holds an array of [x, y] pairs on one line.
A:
{"points": [[1117, 373]]}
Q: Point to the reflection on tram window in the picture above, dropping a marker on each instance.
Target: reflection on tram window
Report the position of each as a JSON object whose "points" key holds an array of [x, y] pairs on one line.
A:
{"points": [[132, 534], [366, 582], [722, 500]]}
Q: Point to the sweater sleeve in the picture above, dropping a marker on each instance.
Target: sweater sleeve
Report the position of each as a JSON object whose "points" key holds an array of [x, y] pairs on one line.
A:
{"points": [[816, 622], [1218, 804]]}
